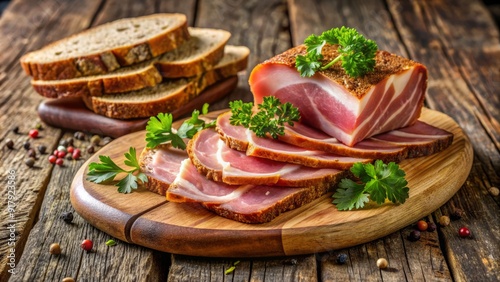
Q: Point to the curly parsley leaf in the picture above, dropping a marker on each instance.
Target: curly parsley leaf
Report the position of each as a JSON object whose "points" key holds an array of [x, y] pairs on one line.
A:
{"points": [[159, 129], [377, 182], [106, 170], [270, 118], [356, 53]]}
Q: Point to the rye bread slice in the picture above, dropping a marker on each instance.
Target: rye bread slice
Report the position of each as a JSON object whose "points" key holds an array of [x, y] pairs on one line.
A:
{"points": [[107, 47], [199, 54], [168, 95]]}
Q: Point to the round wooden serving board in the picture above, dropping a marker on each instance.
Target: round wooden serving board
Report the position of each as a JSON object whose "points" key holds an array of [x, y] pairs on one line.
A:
{"points": [[147, 219]]}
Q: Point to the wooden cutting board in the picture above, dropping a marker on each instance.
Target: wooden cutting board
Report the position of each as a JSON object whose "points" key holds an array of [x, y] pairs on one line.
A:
{"points": [[71, 113], [147, 219]]}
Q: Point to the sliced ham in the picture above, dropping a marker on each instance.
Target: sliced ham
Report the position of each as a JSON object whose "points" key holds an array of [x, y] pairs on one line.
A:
{"points": [[244, 203], [214, 159], [348, 109]]}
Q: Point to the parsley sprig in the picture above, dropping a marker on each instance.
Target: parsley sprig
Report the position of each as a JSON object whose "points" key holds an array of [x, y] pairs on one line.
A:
{"points": [[355, 51], [106, 170], [159, 129], [271, 117], [378, 182]]}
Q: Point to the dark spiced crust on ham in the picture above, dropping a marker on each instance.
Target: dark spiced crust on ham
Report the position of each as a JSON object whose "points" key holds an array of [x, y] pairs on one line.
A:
{"points": [[292, 202]]}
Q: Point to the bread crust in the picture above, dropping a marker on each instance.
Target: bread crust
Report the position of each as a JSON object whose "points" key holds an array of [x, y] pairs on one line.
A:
{"points": [[105, 61]]}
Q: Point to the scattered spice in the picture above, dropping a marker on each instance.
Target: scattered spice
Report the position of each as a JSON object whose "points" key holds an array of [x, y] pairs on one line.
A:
{"points": [[27, 145], [63, 143], [106, 140], [52, 159], [69, 140], [9, 143], [87, 245], [30, 162], [42, 149], [431, 227], [444, 220], [457, 214], [79, 135], [67, 217], [111, 243], [55, 249], [342, 258], [61, 154], [33, 133], [422, 225], [95, 140], [464, 232], [382, 263], [15, 129], [70, 149], [90, 149], [32, 153], [76, 154], [61, 148], [68, 279], [414, 236], [59, 161], [39, 126], [493, 191], [232, 268]]}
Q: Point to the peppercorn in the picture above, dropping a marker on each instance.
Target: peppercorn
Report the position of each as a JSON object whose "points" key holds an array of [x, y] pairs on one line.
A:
{"points": [[61, 148], [33, 133], [61, 154], [464, 232], [382, 263], [39, 126], [457, 214], [422, 225], [32, 153], [67, 217], [68, 279], [431, 227], [79, 135], [87, 245], [70, 149], [63, 143], [77, 154], [52, 159], [30, 162], [15, 129], [105, 141], [69, 140], [59, 161], [55, 249], [90, 149], [414, 235], [27, 145], [95, 140], [341, 258], [69, 157], [42, 149], [493, 191], [9, 143], [444, 220]]}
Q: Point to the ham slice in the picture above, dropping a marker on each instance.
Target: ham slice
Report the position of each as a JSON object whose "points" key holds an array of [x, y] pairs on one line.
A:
{"points": [[348, 109], [418, 140], [214, 159], [244, 203]]}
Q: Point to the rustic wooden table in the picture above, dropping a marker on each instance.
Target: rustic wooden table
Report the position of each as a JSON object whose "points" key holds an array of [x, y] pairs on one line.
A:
{"points": [[457, 40]]}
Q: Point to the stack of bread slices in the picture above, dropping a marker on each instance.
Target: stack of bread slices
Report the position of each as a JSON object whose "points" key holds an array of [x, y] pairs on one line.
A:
{"points": [[135, 67]]}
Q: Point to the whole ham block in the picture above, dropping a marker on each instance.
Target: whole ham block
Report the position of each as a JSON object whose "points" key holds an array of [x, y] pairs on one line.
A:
{"points": [[349, 109]]}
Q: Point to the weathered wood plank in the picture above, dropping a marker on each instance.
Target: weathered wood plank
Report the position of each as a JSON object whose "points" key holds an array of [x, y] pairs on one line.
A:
{"points": [[102, 264], [26, 26], [463, 78], [374, 20]]}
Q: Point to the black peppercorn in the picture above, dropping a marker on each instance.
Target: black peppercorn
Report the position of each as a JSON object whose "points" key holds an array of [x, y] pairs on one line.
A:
{"points": [[414, 236], [70, 141], [341, 258], [90, 149], [32, 153], [15, 129], [42, 149], [63, 143], [457, 214], [67, 217], [26, 145], [9, 143], [30, 162], [431, 226]]}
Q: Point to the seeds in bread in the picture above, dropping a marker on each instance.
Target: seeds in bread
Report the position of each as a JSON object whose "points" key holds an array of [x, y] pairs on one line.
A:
{"points": [[169, 95], [107, 47], [199, 54]]}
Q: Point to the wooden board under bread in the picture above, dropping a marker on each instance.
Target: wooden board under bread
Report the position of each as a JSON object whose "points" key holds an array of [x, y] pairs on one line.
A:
{"points": [[71, 113], [147, 219]]}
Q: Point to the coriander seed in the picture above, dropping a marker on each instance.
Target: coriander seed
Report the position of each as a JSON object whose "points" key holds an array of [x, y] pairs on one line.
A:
{"points": [[55, 249], [444, 220], [382, 263], [493, 191]]}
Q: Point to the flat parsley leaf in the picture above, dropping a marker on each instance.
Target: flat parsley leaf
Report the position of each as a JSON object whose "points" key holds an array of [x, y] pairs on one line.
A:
{"points": [[356, 53], [106, 170], [270, 118], [377, 182]]}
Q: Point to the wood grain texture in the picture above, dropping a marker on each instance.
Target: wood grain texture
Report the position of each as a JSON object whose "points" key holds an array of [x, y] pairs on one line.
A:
{"points": [[463, 77], [315, 227]]}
